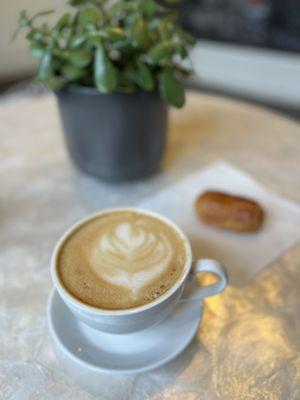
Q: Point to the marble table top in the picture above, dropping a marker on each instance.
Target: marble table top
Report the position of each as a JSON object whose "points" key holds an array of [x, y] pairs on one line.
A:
{"points": [[248, 344]]}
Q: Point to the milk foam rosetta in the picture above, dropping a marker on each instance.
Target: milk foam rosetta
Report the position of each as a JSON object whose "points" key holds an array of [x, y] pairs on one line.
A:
{"points": [[131, 256], [121, 260]]}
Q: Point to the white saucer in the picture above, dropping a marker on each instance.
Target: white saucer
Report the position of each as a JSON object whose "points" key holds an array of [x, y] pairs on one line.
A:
{"points": [[123, 354]]}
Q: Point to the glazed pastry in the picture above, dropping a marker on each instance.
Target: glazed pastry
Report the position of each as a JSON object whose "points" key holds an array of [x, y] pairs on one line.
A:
{"points": [[229, 212]]}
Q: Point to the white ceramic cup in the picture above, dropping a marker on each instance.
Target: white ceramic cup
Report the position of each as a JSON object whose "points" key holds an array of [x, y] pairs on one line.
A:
{"points": [[139, 318]]}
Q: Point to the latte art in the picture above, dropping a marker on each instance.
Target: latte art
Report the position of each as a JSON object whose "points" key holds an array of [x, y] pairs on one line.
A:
{"points": [[121, 259], [131, 256]]}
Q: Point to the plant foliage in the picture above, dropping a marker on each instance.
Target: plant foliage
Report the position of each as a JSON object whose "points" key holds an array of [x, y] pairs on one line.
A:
{"points": [[123, 46]]}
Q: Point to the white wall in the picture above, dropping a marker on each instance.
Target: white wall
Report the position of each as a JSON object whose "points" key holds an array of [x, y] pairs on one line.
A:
{"points": [[14, 58], [271, 76]]}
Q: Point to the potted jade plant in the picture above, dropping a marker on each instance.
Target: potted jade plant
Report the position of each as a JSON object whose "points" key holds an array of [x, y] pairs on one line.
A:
{"points": [[114, 67]]}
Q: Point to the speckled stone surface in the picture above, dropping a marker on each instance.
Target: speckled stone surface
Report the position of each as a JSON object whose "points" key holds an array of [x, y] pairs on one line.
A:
{"points": [[248, 345]]}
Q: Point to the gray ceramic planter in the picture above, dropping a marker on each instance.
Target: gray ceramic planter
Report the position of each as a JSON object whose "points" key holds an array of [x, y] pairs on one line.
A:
{"points": [[114, 137]]}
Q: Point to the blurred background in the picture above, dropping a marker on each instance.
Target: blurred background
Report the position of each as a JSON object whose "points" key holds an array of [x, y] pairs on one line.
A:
{"points": [[247, 49]]}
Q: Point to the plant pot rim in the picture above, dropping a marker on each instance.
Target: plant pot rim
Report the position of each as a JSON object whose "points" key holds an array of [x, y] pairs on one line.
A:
{"points": [[73, 88]]}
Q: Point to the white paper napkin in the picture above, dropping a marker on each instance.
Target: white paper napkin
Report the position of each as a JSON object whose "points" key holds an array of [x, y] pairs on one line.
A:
{"points": [[242, 254]]}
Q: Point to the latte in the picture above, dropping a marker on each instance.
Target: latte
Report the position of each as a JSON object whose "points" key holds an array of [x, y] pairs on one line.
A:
{"points": [[121, 259]]}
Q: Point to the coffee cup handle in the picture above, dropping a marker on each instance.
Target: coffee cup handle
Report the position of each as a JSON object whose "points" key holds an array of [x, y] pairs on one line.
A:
{"points": [[195, 292]]}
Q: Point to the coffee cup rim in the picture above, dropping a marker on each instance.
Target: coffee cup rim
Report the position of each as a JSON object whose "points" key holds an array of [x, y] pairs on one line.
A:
{"points": [[101, 311]]}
